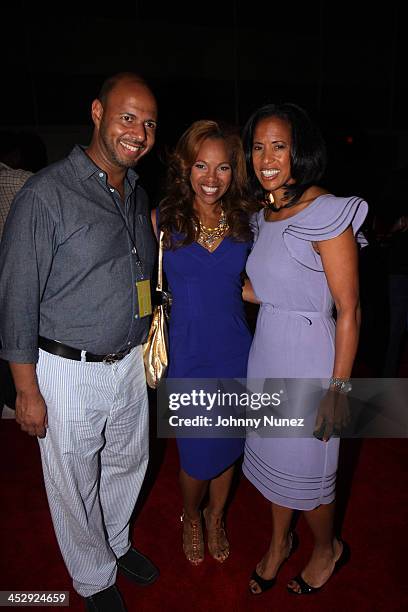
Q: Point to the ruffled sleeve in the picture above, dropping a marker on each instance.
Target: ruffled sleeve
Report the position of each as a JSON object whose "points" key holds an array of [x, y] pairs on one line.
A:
{"points": [[327, 218]]}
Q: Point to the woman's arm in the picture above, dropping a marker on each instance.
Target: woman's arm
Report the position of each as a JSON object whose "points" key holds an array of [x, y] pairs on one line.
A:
{"points": [[248, 294], [340, 263], [154, 222]]}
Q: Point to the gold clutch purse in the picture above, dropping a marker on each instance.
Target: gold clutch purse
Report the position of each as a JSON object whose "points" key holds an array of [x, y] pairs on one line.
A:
{"points": [[155, 350]]}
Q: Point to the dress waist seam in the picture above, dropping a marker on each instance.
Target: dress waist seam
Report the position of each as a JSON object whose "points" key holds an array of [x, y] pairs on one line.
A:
{"points": [[310, 314]]}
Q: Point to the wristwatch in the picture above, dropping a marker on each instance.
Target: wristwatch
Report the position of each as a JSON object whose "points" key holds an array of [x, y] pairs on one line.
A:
{"points": [[341, 384]]}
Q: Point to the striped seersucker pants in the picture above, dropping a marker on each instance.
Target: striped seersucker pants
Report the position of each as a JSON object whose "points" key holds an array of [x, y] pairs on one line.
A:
{"points": [[94, 458]]}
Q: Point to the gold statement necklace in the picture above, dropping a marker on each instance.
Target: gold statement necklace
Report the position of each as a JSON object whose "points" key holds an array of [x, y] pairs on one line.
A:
{"points": [[209, 236]]}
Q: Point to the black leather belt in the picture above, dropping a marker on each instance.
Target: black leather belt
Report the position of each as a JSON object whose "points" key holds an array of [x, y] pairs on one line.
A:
{"points": [[62, 350]]}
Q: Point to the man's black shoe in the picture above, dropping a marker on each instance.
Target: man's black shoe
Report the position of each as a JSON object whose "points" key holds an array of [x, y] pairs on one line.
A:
{"points": [[108, 600], [137, 567]]}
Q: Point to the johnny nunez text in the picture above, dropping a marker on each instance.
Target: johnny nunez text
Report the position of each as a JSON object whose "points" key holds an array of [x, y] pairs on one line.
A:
{"points": [[253, 423]]}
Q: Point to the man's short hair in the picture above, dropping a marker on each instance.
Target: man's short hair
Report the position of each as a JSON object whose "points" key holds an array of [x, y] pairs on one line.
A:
{"points": [[113, 80]]}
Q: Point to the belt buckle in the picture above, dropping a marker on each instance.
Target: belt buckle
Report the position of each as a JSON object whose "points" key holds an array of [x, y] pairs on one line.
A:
{"points": [[111, 358]]}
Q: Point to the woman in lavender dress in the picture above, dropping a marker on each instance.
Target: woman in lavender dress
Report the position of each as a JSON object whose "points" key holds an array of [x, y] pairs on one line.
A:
{"points": [[303, 262]]}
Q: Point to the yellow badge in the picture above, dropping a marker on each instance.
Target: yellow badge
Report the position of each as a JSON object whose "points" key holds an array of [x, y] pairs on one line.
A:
{"points": [[144, 298]]}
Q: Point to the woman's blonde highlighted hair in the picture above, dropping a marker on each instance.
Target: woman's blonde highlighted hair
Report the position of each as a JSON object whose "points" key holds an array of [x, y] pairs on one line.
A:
{"points": [[176, 213]]}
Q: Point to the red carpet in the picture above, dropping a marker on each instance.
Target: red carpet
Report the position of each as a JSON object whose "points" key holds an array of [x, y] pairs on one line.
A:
{"points": [[372, 504]]}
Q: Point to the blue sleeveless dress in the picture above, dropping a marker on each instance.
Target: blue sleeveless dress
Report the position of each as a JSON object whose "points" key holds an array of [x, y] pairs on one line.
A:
{"points": [[208, 336]]}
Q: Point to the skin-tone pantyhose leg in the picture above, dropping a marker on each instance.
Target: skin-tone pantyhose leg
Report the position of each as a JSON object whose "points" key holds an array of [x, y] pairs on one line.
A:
{"points": [[218, 492], [327, 549], [279, 547], [193, 491]]}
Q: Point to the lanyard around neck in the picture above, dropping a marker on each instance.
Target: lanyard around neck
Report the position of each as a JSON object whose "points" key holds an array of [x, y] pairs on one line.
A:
{"points": [[139, 262]]}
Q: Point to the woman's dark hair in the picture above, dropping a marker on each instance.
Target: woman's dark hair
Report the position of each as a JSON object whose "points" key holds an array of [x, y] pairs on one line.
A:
{"points": [[307, 150], [176, 209]]}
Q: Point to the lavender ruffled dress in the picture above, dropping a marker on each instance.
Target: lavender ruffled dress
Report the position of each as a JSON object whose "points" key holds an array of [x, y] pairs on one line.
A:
{"points": [[294, 338]]}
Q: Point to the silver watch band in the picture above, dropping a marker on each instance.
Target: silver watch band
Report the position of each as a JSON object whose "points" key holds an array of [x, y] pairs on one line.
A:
{"points": [[340, 384]]}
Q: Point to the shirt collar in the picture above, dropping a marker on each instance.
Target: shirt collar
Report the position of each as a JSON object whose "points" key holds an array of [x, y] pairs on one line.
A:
{"points": [[86, 168]]}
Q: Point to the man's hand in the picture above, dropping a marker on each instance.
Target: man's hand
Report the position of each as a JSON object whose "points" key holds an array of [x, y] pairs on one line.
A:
{"points": [[31, 413]]}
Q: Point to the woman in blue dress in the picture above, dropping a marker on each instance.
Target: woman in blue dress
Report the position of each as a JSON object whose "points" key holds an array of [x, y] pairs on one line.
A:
{"points": [[207, 238]]}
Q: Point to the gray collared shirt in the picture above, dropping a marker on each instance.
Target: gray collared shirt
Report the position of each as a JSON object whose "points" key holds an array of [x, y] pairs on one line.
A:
{"points": [[68, 267]]}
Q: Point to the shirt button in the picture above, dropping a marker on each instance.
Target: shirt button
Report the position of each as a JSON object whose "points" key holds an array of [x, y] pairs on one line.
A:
{"points": [[111, 188], [101, 174], [136, 316], [128, 343]]}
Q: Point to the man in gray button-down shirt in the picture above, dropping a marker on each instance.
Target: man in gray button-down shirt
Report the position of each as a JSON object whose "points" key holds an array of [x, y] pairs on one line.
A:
{"points": [[77, 241]]}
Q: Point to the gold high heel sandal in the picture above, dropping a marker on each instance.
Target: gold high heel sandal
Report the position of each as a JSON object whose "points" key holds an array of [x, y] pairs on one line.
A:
{"points": [[218, 544], [193, 540]]}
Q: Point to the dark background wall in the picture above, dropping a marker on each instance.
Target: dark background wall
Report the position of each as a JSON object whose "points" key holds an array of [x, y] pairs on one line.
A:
{"points": [[344, 61]]}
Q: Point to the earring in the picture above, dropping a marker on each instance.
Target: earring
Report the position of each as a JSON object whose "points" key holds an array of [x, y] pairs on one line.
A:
{"points": [[269, 200]]}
